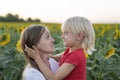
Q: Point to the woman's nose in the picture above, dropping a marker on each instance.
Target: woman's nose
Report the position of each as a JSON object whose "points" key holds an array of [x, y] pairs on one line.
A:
{"points": [[52, 39]]}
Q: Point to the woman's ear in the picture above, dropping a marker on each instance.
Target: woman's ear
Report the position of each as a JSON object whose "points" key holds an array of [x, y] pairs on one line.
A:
{"points": [[80, 36]]}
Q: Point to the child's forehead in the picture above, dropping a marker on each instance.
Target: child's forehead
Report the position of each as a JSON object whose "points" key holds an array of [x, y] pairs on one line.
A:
{"points": [[65, 30]]}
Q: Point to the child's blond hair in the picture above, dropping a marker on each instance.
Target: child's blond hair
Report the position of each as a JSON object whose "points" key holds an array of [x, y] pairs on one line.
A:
{"points": [[81, 25]]}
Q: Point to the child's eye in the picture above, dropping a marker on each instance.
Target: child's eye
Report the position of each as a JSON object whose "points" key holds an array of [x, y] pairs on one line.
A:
{"points": [[65, 32]]}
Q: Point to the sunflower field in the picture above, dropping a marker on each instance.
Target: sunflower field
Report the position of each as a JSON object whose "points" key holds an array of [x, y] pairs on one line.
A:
{"points": [[104, 64]]}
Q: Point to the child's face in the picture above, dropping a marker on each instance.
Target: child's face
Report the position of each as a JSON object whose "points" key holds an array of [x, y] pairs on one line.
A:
{"points": [[46, 43], [69, 39]]}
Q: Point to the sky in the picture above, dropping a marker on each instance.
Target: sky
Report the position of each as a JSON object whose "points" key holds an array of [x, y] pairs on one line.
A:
{"points": [[97, 11]]}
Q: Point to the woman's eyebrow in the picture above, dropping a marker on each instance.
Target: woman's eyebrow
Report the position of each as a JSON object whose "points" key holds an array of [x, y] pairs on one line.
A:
{"points": [[47, 33]]}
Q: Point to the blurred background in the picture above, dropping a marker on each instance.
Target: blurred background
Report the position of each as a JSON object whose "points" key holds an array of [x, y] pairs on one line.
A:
{"points": [[97, 11], [16, 15]]}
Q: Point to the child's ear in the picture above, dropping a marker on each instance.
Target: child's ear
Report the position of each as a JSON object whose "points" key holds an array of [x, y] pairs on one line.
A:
{"points": [[79, 36]]}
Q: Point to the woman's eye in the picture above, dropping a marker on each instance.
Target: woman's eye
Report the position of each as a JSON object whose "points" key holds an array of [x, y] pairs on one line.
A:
{"points": [[48, 36]]}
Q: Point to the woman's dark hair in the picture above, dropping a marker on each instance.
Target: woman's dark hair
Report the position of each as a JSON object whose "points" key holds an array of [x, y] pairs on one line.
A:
{"points": [[31, 36]]}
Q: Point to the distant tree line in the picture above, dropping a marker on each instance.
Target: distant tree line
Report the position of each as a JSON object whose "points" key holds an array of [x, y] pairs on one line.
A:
{"points": [[15, 18]]}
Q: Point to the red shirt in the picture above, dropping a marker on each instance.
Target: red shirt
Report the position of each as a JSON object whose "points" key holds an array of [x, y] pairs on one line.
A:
{"points": [[77, 58]]}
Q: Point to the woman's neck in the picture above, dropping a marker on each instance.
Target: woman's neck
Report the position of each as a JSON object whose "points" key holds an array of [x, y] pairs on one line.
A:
{"points": [[45, 58]]}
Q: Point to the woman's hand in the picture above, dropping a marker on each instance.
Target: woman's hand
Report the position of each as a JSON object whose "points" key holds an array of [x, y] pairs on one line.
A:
{"points": [[33, 53]]}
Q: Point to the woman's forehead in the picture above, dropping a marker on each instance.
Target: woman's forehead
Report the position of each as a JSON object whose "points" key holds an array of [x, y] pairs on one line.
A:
{"points": [[46, 30]]}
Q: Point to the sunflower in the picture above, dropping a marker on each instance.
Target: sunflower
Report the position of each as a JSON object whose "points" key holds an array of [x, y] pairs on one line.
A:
{"points": [[110, 53], [116, 34], [18, 46], [86, 54], [102, 32], [20, 29], [4, 39], [119, 33]]}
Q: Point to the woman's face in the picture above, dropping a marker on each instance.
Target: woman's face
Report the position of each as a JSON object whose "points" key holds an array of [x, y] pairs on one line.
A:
{"points": [[46, 43]]}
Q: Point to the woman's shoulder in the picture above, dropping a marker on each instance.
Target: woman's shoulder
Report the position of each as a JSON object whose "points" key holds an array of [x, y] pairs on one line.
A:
{"points": [[53, 64], [31, 73], [52, 60]]}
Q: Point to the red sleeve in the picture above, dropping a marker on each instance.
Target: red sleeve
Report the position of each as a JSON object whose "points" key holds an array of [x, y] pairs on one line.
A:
{"points": [[72, 59]]}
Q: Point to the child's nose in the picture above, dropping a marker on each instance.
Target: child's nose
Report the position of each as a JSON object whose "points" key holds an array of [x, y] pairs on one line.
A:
{"points": [[62, 36]]}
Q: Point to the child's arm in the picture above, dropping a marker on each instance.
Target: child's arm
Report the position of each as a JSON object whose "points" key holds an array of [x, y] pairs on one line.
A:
{"points": [[64, 70], [57, 56], [61, 73]]}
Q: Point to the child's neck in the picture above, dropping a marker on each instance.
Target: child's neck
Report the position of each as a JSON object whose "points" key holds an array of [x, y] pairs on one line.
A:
{"points": [[74, 48]]}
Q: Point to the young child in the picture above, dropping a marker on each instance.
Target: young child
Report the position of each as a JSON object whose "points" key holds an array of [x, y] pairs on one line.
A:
{"points": [[79, 38]]}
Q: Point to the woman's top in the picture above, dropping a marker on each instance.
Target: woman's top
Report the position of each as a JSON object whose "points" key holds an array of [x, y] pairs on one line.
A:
{"points": [[31, 73]]}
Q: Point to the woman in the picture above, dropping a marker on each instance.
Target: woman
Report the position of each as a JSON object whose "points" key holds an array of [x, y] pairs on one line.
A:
{"points": [[39, 37]]}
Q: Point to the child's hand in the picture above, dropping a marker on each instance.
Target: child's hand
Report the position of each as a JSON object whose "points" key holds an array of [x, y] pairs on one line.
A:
{"points": [[51, 56], [33, 53]]}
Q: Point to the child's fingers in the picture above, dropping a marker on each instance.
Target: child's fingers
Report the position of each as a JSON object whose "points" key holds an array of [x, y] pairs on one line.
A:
{"points": [[29, 51], [34, 47]]}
